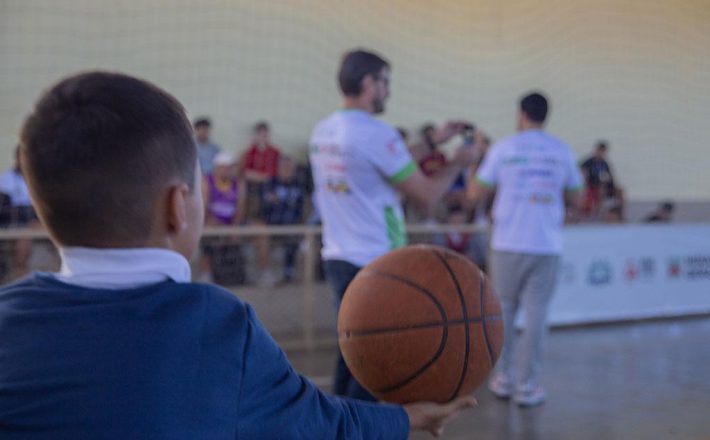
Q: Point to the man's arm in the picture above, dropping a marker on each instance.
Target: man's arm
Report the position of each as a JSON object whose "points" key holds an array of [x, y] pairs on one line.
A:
{"points": [[481, 182], [477, 190]]}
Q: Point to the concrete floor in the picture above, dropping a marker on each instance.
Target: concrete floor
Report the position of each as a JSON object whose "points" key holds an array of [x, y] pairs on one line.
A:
{"points": [[635, 381]]}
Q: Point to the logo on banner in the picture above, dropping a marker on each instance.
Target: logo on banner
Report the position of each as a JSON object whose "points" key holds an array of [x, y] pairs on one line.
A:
{"points": [[697, 267], [631, 271], [644, 269], [599, 273], [674, 270]]}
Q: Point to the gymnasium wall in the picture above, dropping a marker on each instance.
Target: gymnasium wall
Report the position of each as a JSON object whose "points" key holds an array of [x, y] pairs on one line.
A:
{"points": [[632, 72]]}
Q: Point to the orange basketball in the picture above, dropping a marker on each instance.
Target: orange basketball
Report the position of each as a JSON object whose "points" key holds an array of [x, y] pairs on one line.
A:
{"points": [[420, 323]]}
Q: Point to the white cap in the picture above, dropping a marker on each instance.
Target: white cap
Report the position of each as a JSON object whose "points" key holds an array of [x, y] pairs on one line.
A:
{"points": [[224, 158]]}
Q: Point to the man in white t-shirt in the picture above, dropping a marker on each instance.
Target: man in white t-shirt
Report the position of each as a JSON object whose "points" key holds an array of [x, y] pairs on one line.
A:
{"points": [[360, 165], [534, 175]]}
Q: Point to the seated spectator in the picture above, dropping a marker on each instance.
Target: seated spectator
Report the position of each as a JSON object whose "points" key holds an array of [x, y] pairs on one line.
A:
{"points": [[16, 211], [283, 201], [457, 241], [224, 197], [224, 192], [599, 182], [206, 149], [259, 164], [664, 213]]}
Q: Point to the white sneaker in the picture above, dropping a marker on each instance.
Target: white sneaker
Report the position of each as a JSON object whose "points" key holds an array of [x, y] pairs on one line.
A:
{"points": [[531, 394], [501, 386]]}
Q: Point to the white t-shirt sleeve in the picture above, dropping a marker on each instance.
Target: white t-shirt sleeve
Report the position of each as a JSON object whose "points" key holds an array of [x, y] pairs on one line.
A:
{"points": [[390, 155], [573, 179], [487, 173]]}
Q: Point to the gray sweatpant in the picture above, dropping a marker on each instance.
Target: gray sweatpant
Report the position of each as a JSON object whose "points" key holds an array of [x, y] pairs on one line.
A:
{"points": [[527, 282]]}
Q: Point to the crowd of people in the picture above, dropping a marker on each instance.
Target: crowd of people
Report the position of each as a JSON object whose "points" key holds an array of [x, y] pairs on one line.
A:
{"points": [[264, 186]]}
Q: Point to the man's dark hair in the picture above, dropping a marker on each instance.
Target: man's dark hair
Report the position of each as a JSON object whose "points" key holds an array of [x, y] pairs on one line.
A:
{"points": [[202, 122], [97, 151], [534, 106], [667, 206], [261, 125], [602, 145], [355, 66]]}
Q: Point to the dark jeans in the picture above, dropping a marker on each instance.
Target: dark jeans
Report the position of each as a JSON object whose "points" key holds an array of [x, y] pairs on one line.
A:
{"points": [[339, 273], [290, 252]]}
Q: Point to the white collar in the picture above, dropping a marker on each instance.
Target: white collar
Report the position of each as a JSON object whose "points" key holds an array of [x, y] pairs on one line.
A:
{"points": [[121, 268]]}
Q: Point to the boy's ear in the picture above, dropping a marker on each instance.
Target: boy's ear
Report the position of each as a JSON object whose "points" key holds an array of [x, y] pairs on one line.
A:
{"points": [[176, 218]]}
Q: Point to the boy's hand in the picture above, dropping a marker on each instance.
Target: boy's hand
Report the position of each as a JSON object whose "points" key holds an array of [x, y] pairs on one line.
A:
{"points": [[431, 417]]}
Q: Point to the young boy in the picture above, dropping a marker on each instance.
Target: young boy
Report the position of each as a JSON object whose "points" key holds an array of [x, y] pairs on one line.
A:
{"points": [[119, 344]]}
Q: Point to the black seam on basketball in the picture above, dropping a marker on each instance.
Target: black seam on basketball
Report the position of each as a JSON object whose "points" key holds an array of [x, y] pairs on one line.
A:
{"points": [[484, 318], [467, 330], [411, 284], [444, 336], [376, 331]]}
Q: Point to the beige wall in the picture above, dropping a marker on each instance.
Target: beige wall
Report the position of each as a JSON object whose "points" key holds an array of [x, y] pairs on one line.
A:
{"points": [[634, 72]]}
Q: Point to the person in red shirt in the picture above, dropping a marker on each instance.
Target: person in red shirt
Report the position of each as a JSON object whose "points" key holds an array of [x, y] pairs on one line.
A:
{"points": [[261, 160], [260, 164]]}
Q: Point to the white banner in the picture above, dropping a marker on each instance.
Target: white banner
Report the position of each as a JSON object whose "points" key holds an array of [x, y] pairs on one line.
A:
{"points": [[629, 272]]}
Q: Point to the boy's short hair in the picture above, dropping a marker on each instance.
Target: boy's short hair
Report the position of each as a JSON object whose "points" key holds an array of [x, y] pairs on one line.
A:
{"points": [[534, 105], [97, 151]]}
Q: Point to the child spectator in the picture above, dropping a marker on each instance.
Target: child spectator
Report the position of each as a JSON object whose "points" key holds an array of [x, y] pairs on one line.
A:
{"points": [[457, 241], [283, 201], [259, 164], [206, 149], [224, 195]]}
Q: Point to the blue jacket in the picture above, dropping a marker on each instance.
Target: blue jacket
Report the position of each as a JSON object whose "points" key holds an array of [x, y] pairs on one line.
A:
{"points": [[166, 361]]}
